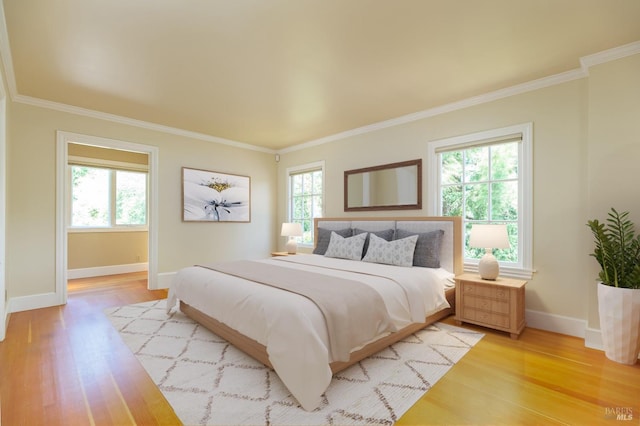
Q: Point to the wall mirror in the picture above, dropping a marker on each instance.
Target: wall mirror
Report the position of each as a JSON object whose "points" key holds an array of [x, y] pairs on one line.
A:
{"points": [[395, 186]]}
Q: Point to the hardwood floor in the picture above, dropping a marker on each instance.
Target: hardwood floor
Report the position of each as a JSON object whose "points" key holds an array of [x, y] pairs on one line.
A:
{"points": [[67, 366], [542, 378]]}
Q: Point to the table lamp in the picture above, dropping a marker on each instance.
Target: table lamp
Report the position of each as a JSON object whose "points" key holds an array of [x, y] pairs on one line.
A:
{"points": [[291, 230], [489, 237]]}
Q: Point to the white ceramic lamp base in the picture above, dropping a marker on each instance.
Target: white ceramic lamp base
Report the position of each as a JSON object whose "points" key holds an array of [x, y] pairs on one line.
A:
{"points": [[291, 246], [488, 268]]}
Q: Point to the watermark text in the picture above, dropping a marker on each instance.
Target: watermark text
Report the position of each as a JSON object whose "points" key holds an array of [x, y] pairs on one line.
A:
{"points": [[618, 413]]}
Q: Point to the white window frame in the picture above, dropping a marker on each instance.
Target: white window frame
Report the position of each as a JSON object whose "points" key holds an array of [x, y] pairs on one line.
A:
{"points": [[524, 268], [309, 167], [112, 166]]}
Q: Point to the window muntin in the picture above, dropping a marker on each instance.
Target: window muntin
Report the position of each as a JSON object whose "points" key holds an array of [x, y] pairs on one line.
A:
{"points": [[107, 198], [306, 195], [486, 177], [481, 185]]}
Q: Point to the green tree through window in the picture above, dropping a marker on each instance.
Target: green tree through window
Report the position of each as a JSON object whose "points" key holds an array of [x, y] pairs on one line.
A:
{"points": [[131, 198], [306, 195], [102, 197], [90, 196], [481, 185]]}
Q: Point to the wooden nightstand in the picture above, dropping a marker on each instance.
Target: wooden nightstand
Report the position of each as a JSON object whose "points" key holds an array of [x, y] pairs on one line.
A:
{"points": [[279, 253], [496, 304]]}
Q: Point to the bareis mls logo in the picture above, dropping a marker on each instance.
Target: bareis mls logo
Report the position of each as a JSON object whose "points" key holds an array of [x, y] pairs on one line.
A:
{"points": [[618, 413]]}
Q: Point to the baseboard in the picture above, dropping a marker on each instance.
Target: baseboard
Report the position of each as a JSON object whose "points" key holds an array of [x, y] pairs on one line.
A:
{"points": [[7, 317], [556, 323], [566, 325], [45, 300], [36, 301], [106, 270], [593, 339]]}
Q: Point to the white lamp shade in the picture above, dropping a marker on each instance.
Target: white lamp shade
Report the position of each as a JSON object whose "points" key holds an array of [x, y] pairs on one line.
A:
{"points": [[489, 236], [291, 230]]}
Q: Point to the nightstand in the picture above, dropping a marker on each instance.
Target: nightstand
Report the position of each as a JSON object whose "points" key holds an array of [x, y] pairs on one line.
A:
{"points": [[496, 304], [279, 253]]}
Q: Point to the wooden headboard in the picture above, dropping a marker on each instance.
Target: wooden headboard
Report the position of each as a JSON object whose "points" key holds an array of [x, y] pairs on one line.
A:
{"points": [[451, 256]]}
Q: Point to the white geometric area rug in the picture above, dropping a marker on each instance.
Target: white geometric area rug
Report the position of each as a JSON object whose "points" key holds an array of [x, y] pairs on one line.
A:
{"points": [[209, 382]]}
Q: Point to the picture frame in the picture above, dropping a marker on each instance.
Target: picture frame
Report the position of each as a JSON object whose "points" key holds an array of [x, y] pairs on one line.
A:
{"points": [[209, 196]]}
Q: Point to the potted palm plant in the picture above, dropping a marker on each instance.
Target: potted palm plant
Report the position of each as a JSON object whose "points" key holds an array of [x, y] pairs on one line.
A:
{"points": [[617, 250]]}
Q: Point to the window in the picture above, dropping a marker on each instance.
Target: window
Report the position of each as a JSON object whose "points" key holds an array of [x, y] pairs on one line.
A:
{"points": [[306, 195], [486, 178], [107, 198]]}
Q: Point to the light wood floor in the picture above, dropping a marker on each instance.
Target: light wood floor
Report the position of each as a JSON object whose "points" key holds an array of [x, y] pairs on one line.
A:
{"points": [[67, 366]]}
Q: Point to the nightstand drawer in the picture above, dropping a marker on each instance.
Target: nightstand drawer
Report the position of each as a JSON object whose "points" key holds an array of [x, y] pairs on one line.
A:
{"points": [[485, 291], [490, 319], [486, 304]]}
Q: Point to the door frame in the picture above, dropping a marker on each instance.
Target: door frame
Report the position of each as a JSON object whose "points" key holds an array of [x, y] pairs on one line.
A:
{"points": [[63, 139], [4, 308]]}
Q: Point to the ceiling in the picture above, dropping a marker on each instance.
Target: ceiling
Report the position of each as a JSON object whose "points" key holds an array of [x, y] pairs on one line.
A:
{"points": [[276, 73]]}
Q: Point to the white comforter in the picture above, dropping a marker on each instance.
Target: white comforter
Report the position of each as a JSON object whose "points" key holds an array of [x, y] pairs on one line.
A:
{"points": [[291, 326]]}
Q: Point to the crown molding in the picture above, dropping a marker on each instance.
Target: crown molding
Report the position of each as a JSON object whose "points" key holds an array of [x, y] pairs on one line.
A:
{"points": [[133, 122], [610, 55], [443, 109], [9, 74], [585, 63]]}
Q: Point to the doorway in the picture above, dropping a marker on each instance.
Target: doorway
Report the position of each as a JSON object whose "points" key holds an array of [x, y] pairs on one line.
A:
{"points": [[64, 140]]}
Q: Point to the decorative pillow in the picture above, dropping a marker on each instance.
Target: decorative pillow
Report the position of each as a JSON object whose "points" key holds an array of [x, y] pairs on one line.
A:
{"points": [[346, 248], [397, 252], [427, 253], [324, 236], [387, 234]]}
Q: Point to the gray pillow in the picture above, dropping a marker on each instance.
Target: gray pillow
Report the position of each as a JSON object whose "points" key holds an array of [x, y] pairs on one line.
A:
{"points": [[324, 236], [386, 234], [427, 253]]}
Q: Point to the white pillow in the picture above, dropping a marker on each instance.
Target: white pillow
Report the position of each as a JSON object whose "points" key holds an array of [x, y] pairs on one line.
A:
{"points": [[396, 252], [346, 248]]}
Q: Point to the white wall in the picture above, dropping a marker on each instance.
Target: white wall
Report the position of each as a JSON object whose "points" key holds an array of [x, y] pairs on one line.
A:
{"points": [[31, 257], [559, 295], [613, 149]]}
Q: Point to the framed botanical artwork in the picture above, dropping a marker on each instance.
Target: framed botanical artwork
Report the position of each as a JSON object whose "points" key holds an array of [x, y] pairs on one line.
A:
{"points": [[215, 197]]}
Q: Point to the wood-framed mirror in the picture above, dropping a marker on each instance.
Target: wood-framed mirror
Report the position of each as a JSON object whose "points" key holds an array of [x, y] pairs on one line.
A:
{"points": [[394, 186]]}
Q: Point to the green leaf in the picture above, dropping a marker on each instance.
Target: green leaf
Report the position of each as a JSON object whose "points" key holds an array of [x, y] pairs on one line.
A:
{"points": [[617, 250]]}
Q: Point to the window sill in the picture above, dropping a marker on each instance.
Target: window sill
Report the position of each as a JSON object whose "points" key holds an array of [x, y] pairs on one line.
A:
{"points": [[78, 230], [505, 271]]}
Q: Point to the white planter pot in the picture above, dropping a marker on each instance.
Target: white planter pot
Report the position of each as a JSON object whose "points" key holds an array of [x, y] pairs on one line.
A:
{"points": [[619, 310]]}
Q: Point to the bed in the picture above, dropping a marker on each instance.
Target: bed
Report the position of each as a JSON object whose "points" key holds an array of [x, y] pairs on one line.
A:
{"points": [[250, 304]]}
